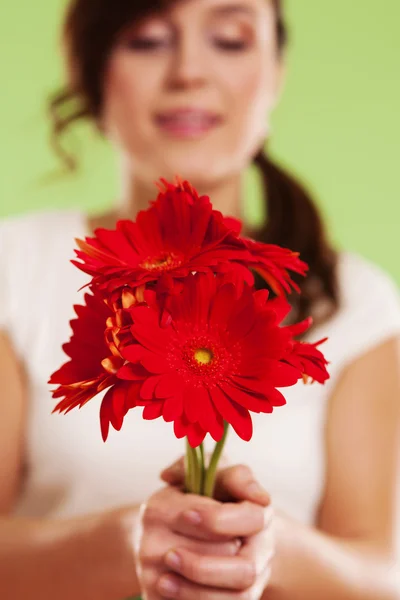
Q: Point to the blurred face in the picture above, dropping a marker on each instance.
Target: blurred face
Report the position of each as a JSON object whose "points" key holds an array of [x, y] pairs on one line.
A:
{"points": [[190, 91]]}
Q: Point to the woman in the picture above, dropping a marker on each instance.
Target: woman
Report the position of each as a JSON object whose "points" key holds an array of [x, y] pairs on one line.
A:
{"points": [[188, 87]]}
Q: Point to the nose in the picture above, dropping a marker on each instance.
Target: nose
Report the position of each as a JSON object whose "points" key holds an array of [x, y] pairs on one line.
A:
{"points": [[189, 69]]}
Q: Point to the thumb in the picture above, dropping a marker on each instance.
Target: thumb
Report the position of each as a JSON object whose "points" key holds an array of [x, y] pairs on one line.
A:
{"points": [[233, 484], [175, 473], [238, 483]]}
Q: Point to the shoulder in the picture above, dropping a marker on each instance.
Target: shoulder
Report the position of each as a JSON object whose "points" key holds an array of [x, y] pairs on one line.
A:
{"points": [[369, 296], [35, 252], [40, 225], [368, 313], [362, 280], [38, 238]]}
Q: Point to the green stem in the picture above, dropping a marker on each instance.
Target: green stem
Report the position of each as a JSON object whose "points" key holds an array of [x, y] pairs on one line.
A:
{"points": [[211, 473], [188, 469], [193, 470], [202, 468]]}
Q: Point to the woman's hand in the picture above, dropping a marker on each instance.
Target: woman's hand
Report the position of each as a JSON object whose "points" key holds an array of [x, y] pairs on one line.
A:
{"points": [[233, 483], [194, 547]]}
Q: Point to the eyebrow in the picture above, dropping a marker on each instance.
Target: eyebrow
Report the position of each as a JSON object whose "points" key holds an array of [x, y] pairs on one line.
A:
{"points": [[235, 8]]}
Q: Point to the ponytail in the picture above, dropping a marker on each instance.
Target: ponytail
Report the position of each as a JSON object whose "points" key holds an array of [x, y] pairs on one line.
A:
{"points": [[294, 222]]}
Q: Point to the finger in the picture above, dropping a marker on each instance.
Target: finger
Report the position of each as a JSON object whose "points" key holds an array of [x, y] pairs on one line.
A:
{"points": [[230, 548], [239, 483], [233, 573], [175, 474], [233, 484], [259, 549], [178, 588], [216, 522], [166, 506]]}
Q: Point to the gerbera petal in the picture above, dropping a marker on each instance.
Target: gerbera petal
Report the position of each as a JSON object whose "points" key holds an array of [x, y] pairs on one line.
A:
{"points": [[147, 390], [154, 363], [233, 413], [242, 323], [149, 333], [194, 398], [201, 214], [261, 388], [117, 243], [153, 410], [309, 361], [132, 372], [169, 385], [222, 305], [284, 375], [119, 394], [300, 328], [195, 435], [133, 395], [210, 420], [246, 399], [181, 427], [280, 306], [106, 414], [133, 353], [173, 408]]}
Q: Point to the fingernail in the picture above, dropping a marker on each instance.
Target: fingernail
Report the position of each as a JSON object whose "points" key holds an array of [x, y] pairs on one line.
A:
{"points": [[193, 517], [238, 543], [167, 587], [257, 492], [173, 560], [235, 546]]}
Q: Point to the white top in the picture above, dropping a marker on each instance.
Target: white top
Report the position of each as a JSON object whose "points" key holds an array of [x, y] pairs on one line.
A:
{"points": [[71, 471]]}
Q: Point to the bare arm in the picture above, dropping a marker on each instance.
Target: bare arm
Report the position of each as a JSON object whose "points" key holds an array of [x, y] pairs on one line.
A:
{"points": [[82, 558], [352, 555]]}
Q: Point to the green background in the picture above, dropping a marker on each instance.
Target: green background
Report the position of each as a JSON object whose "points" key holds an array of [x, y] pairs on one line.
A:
{"points": [[338, 126]]}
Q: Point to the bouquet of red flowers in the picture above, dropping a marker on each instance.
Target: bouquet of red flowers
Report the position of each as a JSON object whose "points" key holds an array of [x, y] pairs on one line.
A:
{"points": [[173, 324]]}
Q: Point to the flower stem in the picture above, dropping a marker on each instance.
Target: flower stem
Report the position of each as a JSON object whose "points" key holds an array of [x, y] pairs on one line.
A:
{"points": [[188, 469], [211, 473], [193, 470], [203, 468]]}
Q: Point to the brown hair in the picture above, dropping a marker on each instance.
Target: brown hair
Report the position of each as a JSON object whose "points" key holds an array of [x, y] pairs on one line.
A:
{"points": [[91, 29]]}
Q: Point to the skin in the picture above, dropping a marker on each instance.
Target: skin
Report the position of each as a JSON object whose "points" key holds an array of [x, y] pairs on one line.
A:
{"points": [[189, 61], [240, 547]]}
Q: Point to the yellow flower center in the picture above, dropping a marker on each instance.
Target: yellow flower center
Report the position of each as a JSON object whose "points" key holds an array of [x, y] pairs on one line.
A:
{"points": [[161, 263], [203, 356]]}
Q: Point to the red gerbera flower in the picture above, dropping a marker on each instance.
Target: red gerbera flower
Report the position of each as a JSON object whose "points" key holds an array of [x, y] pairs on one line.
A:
{"points": [[309, 360], [219, 355], [302, 355], [94, 362], [179, 234], [273, 263]]}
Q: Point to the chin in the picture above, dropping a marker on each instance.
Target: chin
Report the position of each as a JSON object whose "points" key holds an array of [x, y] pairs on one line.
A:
{"points": [[202, 172]]}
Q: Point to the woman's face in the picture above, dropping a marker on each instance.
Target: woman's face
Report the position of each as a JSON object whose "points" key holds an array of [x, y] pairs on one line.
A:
{"points": [[190, 92]]}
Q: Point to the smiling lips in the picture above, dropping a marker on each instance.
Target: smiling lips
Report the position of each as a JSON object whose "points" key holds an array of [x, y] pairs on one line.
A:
{"points": [[187, 123]]}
